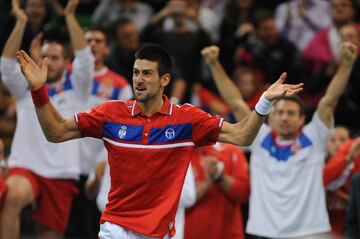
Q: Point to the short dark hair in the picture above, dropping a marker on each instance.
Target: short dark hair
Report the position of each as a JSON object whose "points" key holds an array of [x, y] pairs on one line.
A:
{"points": [[96, 28], [155, 53], [261, 16], [293, 98], [119, 23]]}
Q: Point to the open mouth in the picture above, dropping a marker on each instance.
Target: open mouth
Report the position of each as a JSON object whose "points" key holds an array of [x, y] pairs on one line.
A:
{"points": [[140, 88]]}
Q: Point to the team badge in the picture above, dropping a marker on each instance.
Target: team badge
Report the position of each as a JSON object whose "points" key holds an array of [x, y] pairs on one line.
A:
{"points": [[122, 132], [170, 133]]}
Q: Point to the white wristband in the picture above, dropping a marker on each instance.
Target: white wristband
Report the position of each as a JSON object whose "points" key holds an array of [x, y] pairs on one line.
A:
{"points": [[263, 106]]}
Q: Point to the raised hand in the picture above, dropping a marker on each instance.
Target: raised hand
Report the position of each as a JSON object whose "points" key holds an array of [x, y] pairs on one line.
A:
{"points": [[35, 47], [18, 12], [210, 54], [71, 7], [349, 52], [354, 151], [279, 89], [35, 75]]}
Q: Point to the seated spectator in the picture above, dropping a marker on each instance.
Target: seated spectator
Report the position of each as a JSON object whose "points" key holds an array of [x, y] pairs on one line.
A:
{"points": [[38, 14], [222, 184], [108, 11], [299, 20], [267, 52]]}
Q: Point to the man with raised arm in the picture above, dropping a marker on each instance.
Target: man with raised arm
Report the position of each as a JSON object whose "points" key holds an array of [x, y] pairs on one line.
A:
{"points": [[149, 141], [42, 172], [287, 193]]}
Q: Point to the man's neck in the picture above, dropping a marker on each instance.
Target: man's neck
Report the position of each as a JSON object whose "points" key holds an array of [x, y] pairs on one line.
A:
{"points": [[152, 106], [286, 137], [99, 65]]}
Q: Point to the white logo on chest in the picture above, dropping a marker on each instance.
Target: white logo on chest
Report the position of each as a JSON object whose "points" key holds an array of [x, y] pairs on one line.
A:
{"points": [[170, 133], [122, 132]]}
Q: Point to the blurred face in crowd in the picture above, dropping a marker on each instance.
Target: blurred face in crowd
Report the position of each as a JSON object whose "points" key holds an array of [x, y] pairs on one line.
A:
{"points": [[147, 82], [338, 136], [350, 33], [127, 37], [2, 153], [342, 11], [246, 82], [286, 119], [244, 4], [267, 31], [98, 44], [36, 11], [57, 61]]}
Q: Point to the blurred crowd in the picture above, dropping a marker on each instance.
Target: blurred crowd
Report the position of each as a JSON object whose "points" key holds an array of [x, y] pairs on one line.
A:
{"points": [[259, 40]]}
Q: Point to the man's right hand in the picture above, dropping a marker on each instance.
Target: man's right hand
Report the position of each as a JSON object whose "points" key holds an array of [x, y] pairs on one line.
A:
{"points": [[71, 7], [349, 52], [35, 75], [210, 54], [19, 13]]}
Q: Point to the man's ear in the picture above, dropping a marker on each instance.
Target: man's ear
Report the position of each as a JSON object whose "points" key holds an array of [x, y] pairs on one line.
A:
{"points": [[302, 120], [165, 80]]}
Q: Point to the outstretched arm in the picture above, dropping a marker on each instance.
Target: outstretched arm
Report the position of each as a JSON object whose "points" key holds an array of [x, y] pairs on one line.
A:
{"points": [[77, 37], [228, 90], [244, 132], [338, 83], [13, 43], [55, 127]]}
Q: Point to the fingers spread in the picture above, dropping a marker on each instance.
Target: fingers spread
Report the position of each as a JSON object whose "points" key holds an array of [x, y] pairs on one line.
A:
{"points": [[27, 57], [281, 78]]}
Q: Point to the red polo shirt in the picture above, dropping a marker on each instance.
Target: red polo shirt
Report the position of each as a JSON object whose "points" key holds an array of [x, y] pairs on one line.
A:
{"points": [[148, 159]]}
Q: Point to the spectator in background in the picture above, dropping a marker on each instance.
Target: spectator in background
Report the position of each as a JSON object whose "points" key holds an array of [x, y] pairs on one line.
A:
{"points": [[324, 46], [38, 14], [267, 52], [348, 112], [299, 20], [338, 172], [125, 43], [222, 184], [187, 54], [286, 158], [236, 26], [42, 172], [108, 11], [352, 220]]}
